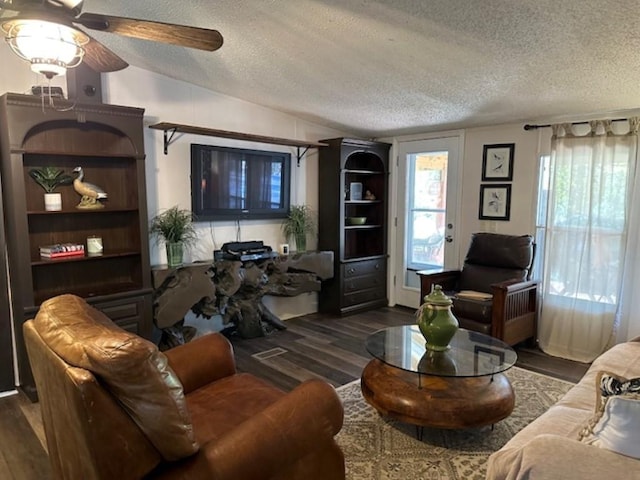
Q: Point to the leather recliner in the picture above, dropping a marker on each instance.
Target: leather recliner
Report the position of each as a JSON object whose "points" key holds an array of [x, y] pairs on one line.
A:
{"points": [[500, 266], [115, 407]]}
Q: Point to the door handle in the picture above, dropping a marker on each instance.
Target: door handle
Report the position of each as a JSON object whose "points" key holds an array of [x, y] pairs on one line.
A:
{"points": [[448, 238]]}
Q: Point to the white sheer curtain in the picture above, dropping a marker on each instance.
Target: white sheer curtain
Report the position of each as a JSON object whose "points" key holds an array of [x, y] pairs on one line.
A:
{"points": [[588, 219], [627, 324]]}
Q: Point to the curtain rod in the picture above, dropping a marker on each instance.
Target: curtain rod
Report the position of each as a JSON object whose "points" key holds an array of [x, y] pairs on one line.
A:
{"points": [[529, 126]]}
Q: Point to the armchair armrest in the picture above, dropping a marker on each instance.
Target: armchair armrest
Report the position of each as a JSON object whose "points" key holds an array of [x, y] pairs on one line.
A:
{"points": [[447, 279], [514, 310], [287, 430], [202, 361], [503, 291], [511, 286]]}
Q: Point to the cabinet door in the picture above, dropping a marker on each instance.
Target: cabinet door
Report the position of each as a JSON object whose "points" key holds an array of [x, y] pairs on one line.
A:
{"points": [[131, 314], [364, 281]]}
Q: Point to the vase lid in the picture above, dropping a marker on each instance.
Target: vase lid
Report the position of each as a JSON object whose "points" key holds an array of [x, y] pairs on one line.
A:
{"points": [[437, 297]]}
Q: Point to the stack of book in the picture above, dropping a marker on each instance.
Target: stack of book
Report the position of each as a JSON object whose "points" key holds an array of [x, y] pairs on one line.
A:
{"points": [[61, 250]]}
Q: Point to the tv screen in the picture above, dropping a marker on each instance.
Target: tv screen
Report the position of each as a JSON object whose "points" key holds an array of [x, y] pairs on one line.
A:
{"points": [[235, 183]]}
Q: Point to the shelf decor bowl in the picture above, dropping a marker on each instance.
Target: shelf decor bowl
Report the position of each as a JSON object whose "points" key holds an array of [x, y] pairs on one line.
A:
{"points": [[356, 220]]}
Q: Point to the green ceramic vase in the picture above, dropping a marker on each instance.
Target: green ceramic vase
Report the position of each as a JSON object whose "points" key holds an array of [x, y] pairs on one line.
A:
{"points": [[435, 320]]}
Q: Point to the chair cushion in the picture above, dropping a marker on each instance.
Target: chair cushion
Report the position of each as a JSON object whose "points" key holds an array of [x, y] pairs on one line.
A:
{"points": [[132, 368], [472, 309], [495, 258], [501, 251], [480, 277], [474, 326], [219, 407]]}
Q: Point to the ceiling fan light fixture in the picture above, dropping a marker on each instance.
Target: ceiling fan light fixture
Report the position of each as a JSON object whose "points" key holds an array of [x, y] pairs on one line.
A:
{"points": [[50, 47]]}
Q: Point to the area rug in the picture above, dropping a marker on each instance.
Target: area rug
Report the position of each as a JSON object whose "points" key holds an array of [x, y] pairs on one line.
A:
{"points": [[381, 449]]}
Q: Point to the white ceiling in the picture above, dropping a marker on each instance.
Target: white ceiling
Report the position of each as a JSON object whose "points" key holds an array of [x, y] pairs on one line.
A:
{"points": [[383, 67]]}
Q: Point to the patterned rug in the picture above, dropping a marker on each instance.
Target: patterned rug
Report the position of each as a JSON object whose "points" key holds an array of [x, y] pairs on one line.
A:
{"points": [[379, 449]]}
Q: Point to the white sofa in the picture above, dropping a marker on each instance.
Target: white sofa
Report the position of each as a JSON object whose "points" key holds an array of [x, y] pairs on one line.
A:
{"points": [[549, 447]]}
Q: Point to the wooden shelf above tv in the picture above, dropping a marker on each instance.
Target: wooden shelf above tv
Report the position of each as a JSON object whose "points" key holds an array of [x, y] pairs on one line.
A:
{"points": [[170, 129]]}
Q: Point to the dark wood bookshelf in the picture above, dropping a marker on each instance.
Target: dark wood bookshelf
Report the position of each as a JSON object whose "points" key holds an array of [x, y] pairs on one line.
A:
{"points": [[360, 282], [107, 142]]}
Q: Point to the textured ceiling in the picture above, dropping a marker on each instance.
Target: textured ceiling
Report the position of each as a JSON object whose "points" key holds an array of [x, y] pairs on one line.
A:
{"points": [[397, 66]]}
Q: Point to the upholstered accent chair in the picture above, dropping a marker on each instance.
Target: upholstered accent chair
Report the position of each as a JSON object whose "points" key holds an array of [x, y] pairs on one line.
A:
{"points": [[114, 407], [493, 292]]}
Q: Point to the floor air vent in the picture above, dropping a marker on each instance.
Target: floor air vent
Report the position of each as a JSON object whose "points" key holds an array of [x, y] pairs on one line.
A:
{"points": [[274, 352]]}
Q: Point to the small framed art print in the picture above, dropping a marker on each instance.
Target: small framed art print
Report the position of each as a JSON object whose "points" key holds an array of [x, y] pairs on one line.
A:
{"points": [[497, 162], [495, 202]]}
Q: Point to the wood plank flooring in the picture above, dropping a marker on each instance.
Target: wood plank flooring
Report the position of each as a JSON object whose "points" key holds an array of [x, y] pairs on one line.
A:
{"points": [[313, 346], [22, 455], [333, 348]]}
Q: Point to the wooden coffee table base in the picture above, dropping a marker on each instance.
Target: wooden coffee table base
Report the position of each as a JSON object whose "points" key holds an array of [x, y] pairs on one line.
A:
{"points": [[439, 402]]}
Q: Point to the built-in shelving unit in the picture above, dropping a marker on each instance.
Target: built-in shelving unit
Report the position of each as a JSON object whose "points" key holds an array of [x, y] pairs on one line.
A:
{"points": [[107, 142], [360, 282], [170, 129]]}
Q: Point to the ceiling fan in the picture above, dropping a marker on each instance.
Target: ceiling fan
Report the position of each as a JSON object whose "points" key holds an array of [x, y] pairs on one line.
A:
{"points": [[39, 25]]}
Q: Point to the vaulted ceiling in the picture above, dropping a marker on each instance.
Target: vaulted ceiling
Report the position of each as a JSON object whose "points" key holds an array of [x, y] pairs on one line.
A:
{"points": [[381, 67]]}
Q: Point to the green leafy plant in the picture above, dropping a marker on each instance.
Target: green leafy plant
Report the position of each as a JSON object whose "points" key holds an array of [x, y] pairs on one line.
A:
{"points": [[50, 178], [299, 223], [174, 225]]}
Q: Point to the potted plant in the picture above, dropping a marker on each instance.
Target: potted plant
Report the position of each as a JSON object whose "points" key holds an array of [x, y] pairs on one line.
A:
{"points": [[299, 223], [174, 227], [50, 178]]}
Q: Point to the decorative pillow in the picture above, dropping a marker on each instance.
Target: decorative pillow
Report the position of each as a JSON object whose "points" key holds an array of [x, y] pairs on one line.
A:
{"points": [[132, 368], [616, 423]]}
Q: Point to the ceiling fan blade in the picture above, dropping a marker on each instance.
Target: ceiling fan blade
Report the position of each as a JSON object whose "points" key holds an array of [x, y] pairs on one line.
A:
{"points": [[17, 5], [184, 36], [101, 59]]}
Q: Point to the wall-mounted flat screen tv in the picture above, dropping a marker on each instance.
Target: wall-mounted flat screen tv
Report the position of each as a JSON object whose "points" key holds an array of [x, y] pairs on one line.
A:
{"points": [[237, 184]]}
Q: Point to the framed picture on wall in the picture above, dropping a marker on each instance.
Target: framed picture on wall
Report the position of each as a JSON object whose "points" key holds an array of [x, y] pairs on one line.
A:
{"points": [[495, 202], [497, 162]]}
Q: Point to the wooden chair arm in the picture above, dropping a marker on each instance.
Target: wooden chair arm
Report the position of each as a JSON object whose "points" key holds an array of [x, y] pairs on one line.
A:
{"points": [[513, 301], [512, 286], [447, 279]]}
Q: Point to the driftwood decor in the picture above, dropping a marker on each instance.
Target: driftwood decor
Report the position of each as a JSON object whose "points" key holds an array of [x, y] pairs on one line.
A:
{"points": [[234, 290]]}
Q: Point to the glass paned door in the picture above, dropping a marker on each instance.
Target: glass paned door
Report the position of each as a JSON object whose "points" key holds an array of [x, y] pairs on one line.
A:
{"points": [[427, 205], [427, 209]]}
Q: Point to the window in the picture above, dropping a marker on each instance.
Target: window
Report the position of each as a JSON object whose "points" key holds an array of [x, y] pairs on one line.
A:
{"points": [[586, 225], [588, 198], [541, 214], [427, 210]]}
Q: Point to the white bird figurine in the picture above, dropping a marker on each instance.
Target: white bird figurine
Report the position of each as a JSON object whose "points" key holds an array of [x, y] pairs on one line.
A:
{"points": [[90, 193]]}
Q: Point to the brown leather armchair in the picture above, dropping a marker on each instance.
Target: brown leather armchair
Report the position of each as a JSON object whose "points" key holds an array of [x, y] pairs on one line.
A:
{"points": [[499, 265], [114, 407]]}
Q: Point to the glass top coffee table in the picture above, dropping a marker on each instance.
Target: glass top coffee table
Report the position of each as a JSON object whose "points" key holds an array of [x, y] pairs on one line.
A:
{"points": [[461, 387]]}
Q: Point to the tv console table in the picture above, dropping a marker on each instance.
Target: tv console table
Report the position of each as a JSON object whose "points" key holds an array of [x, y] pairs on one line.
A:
{"points": [[234, 290]]}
